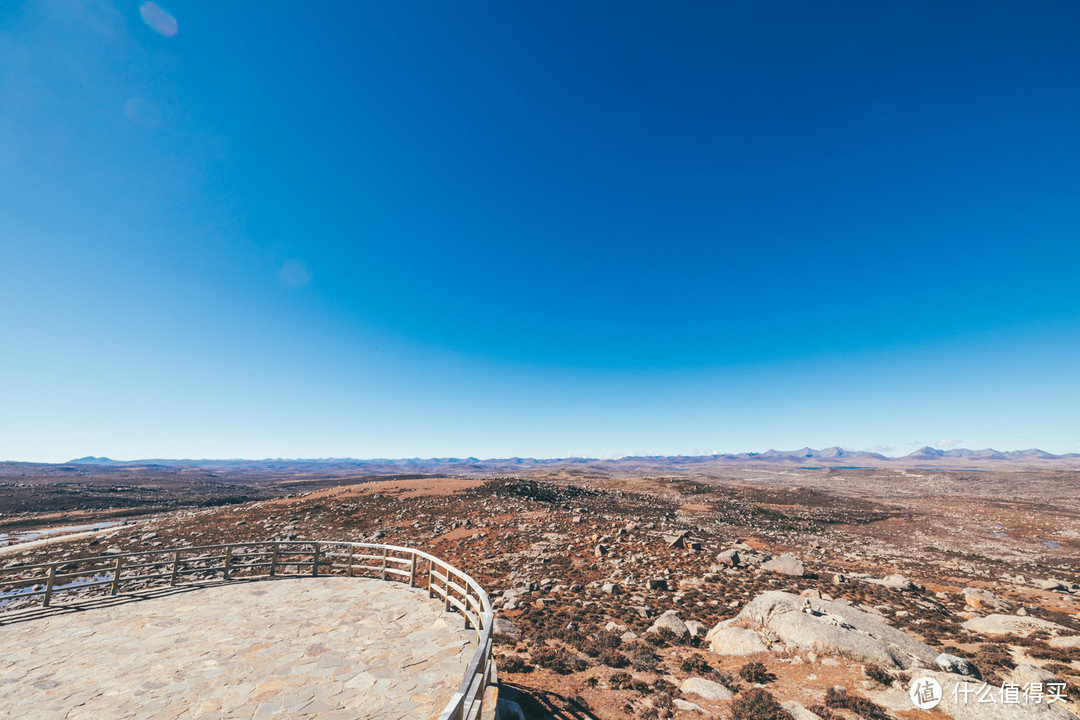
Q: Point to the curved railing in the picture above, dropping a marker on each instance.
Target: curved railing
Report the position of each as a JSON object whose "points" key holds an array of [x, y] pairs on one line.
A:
{"points": [[250, 561]]}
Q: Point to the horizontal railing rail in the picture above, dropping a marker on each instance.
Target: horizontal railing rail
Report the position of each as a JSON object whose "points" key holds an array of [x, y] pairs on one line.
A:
{"points": [[273, 558]]}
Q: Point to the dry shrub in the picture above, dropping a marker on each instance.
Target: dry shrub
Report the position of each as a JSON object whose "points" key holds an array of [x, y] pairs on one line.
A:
{"points": [[879, 675], [514, 664], [994, 662], [841, 700], [645, 661], [614, 659], [756, 672], [696, 664], [559, 661], [758, 704]]}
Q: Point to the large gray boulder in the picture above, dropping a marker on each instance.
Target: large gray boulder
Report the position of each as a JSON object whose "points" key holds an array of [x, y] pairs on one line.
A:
{"points": [[670, 621], [785, 565], [832, 628], [735, 641]]}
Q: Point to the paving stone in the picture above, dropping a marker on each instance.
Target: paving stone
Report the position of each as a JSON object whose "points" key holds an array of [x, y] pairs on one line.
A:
{"points": [[293, 647]]}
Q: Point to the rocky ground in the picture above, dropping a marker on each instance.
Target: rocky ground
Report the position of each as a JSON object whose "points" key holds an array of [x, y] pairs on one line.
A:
{"points": [[753, 594]]}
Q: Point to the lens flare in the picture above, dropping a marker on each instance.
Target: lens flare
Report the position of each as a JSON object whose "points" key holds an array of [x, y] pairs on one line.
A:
{"points": [[158, 19]]}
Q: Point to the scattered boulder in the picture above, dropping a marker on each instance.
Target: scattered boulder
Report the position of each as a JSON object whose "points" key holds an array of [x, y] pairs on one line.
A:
{"points": [[898, 582], [957, 666], [658, 584], [833, 628], [979, 598], [676, 541], [1008, 624], [729, 557], [1051, 584], [696, 628], [798, 710], [785, 565], [670, 621], [735, 641], [688, 706], [503, 628], [705, 688]]}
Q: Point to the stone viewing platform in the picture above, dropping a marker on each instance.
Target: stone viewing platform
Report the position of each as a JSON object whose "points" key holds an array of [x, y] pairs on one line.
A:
{"points": [[292, 647], [255, 630]]}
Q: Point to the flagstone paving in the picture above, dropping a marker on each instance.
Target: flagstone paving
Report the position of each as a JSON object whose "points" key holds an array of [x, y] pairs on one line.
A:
{"points": [[331, 648]]}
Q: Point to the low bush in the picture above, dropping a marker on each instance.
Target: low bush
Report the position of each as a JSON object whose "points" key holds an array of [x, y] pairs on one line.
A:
{"points": [[513, 664], [758, 704], [696, 664], [614, 659], [879, 675], [559, 661], [842, 700], [756, 672]]}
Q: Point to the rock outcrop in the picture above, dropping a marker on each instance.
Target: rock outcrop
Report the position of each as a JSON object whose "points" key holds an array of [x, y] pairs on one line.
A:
{"points": [[785, 565], [831, 628], [735, 641], [1009, 624]]}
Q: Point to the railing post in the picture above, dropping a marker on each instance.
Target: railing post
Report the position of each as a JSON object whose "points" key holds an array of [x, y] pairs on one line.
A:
{"points": [[383, 576], [274, 559], [228, 560], [412, 571], [116, 575], [447, 597], [430, 567], [315, 561], [465, 612], [352, 551], [175, 567], [49, 586]]}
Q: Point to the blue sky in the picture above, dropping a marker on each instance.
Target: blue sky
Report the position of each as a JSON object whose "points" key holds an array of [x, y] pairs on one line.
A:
{"points": [[421, 229]]}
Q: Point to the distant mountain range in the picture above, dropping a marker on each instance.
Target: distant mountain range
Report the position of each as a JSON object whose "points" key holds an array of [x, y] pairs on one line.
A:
{"points": [[925, 457]]}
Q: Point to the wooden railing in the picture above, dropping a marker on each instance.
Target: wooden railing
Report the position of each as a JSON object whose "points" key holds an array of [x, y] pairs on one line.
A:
{"points": [[255, 560]]}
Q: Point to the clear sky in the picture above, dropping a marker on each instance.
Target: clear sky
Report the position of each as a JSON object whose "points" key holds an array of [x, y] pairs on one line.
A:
{"points": [[398, 229]]}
